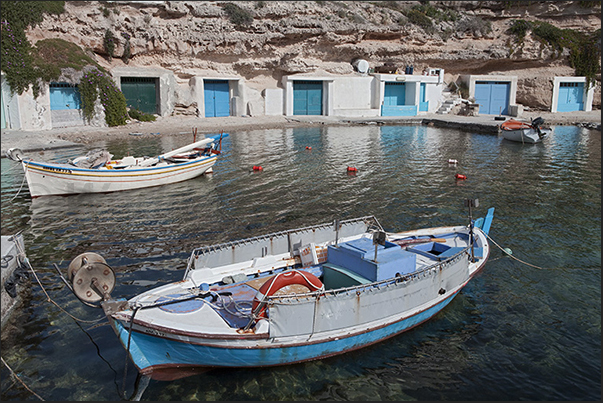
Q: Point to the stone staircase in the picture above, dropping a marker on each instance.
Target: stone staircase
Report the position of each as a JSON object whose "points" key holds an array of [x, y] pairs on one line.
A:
{"points": [[451, 101]]}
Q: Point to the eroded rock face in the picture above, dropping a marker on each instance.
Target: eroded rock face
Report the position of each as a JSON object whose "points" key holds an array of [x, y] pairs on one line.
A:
{"points": [[283, 38]]}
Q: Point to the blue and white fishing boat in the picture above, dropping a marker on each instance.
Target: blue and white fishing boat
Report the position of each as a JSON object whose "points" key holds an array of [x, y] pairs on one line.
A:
{"points": [[288, 297], [97, 173]]}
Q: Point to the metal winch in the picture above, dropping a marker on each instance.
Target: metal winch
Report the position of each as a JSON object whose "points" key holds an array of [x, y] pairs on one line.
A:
{"points": [[91, 278]]}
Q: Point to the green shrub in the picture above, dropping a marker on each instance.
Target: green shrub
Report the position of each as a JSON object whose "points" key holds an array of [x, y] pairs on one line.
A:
{"points": [[584, 50], [109, 42], [519, 28], [97, 85], [475, 25], [16, 59], [237, 15], [127, 51], [418, 18], [143, 117]]}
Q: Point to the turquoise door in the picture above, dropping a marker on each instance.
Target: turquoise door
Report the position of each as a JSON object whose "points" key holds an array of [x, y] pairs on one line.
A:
{"points": [[217, 98], [395, 94], [492, 97], [570, 97], [423, 104], [140, 93], [394, 101], [307, 98], [64, 96]]}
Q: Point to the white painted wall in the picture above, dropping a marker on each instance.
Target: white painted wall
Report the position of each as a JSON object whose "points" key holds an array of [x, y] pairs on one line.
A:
{"points": [[353, 96], [274, 101], [35, 112], [11, 106]]}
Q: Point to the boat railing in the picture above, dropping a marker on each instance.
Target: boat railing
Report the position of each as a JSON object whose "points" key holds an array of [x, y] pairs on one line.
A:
{"points": [[275, 243], [358, 289]]}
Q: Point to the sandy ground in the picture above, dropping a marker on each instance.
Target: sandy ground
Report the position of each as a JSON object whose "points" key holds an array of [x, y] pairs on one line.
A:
{"points": [[178, 125]]}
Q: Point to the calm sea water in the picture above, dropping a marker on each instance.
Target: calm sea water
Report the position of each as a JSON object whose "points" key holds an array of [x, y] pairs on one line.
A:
{"points": [[516, 332]]}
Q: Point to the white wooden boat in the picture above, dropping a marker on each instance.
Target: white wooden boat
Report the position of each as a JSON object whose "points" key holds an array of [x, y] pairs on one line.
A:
{"points": [[97, 173], [288, 297], [523, 132]]}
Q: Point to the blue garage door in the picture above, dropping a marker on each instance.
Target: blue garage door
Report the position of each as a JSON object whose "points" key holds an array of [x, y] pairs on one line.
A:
{"points": [[307, 98], [394, 101], [492, 97], [64, 96], [217, 98], [395, 94], [570, 97]]}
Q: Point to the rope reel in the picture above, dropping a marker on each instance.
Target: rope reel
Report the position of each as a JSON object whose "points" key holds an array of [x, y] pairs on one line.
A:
{"points": [[91, 277], [15, 154]]}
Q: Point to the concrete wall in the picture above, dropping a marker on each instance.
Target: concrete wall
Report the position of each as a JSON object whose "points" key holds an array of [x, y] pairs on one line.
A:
{"points": [[274, 101], [67, 118], [353, 96], [35, 112]]}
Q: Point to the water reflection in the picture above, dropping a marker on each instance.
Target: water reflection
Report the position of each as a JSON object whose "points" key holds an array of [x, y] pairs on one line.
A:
{"points": [[514, 332]]}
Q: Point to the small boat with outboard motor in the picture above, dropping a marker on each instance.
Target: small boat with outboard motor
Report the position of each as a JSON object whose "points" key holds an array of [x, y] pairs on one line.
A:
{"points": [[523, 132]]}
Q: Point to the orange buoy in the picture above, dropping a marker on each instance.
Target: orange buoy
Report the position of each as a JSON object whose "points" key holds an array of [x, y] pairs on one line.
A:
{"points": [[459, 176], [257, 168], [352, 169], [308, 148]]}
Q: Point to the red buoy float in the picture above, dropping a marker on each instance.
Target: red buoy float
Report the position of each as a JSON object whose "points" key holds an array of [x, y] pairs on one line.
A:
{"points": [[308, 148], [459, 176], [352, 169], [279, 281], [257, 168]]}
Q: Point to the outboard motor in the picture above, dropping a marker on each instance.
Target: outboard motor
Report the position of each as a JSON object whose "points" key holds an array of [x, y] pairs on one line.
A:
{"points": [[536, 123]]}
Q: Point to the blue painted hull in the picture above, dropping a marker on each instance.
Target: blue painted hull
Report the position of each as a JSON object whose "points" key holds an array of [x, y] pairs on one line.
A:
{"points": [[157, 356]]}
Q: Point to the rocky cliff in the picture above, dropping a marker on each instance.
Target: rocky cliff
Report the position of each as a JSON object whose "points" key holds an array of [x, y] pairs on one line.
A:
{"points": [[264, 40]]}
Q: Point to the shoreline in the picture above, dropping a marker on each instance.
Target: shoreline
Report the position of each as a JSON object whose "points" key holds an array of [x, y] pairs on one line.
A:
{"points": [[179, 125]]}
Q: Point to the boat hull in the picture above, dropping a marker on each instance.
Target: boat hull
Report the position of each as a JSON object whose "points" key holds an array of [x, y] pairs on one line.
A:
{"points": [[46, 179], [529, 136], [162, 358]]}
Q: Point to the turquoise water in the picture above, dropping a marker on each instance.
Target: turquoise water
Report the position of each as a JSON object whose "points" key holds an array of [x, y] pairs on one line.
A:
{"points": [[516, 332]]}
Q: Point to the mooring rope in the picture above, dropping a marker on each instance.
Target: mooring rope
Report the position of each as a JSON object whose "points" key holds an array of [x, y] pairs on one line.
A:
{"points": [[20, 381], [513, 257], [22, 182], [26, 260]]}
